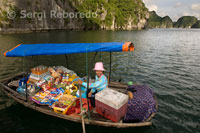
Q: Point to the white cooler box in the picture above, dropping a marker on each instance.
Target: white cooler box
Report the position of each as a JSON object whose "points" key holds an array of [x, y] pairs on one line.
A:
{"points": [[111, 104]]}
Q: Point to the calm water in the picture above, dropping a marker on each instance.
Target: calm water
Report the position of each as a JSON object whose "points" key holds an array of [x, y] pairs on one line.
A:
{"points": [[166, 60]]}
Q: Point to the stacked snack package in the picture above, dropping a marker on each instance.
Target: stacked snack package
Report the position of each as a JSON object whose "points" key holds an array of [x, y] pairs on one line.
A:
{"points": [[64, 103], [57, 89]]}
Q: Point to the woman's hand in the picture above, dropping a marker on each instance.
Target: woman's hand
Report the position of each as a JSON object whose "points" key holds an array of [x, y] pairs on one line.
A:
{"points": [[90, 94], [80, 82]]}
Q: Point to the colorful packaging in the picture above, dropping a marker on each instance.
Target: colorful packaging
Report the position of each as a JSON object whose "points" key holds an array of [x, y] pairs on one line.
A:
{"points": [[63, 104]]}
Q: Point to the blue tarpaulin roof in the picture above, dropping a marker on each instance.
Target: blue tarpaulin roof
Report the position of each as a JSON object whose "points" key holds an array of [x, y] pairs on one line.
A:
{"points": [[67, 48]]}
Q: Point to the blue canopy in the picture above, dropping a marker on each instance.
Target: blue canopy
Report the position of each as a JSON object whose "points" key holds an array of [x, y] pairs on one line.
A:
{"points": [[67, 48]]}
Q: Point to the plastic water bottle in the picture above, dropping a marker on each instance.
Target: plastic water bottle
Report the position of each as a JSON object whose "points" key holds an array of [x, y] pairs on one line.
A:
{"points": [[63, 77], [67, 77]]}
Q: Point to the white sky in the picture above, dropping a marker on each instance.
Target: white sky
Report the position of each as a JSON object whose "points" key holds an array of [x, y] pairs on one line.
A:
{"points": [[174, 8]]}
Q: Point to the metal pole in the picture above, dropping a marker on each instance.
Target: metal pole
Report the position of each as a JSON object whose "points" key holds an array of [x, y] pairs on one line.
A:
{"points": [[92, 61], [66, 60], [24, 75], [32, 62], [110, 67], [87, 69], [26, 82], [100, 56]]}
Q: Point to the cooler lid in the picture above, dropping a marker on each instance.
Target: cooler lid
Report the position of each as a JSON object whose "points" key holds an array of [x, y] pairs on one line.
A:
{"points": [[112, 98]]}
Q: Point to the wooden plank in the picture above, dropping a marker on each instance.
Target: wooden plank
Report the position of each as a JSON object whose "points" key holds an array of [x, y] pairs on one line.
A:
{"points": [[9, 78], [16, 94], [117, 85], [14, 83]]}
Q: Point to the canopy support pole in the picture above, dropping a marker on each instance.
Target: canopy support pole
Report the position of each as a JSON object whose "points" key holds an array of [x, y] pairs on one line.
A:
{"points": [[66, 60], [100, 56], [24, 75], [110, 68], [92, 61], [87, 69], [26, 69]]}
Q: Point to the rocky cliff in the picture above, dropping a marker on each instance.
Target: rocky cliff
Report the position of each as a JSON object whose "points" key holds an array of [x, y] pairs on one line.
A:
{"points": [[36, 15]]}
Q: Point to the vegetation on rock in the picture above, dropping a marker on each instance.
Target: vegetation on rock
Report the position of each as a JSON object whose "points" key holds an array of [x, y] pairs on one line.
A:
{"points": [[185, 22], [116, 12], [196, 25], [156, 21], [110, 14]]}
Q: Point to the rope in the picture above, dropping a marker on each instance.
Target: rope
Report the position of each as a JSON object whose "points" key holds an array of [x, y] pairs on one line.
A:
{"points": [[81, 105]]}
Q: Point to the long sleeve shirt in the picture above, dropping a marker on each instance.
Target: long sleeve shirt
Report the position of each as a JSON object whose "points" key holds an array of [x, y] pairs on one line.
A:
{"points": [[99, 84]]}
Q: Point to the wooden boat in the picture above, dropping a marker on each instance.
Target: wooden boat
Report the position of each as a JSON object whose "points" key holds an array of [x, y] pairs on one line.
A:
{"points": [[10, 85]]}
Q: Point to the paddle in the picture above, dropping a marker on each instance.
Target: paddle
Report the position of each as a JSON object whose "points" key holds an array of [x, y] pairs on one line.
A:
{"points": [[82, 117]]}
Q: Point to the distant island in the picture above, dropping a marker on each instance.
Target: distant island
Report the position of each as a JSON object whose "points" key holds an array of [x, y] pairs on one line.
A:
{"points": [[156, 21]]}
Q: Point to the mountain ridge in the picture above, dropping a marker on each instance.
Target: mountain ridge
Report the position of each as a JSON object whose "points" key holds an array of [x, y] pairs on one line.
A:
{"points": [[155, 21]]}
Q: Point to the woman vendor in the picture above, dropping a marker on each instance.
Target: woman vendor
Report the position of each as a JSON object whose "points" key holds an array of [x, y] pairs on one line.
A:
{"points": [[99, 84]]}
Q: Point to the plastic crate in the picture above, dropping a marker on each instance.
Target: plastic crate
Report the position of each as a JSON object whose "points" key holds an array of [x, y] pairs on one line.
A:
{"points": [[62, 110], [66, 107]]}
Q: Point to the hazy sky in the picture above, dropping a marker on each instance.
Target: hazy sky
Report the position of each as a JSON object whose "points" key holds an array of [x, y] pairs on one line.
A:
{"points": [[174, 8]]}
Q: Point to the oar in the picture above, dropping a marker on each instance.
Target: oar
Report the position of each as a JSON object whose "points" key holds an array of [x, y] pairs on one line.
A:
{"points": [[82, 117]]}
